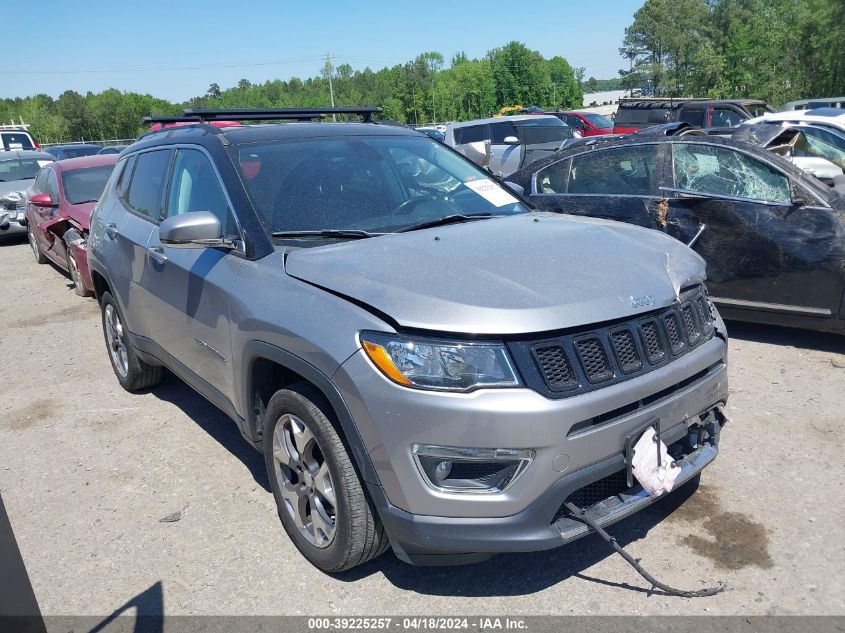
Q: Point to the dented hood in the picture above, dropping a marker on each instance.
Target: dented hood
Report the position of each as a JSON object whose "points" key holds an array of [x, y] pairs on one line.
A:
{"points": [[509, 275]]}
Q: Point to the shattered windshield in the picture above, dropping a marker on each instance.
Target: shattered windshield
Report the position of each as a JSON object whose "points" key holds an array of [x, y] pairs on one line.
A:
{"points": [[722, 171], [372, 184]]}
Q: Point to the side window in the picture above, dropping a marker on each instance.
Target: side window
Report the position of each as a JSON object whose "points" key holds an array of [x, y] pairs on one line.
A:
{"points": [[194, 186], [693, 116], [471, 134], [552, 179], [619, 170], [722, 171], [145, 189], [125, 176], [52, 185], [725, 117], [499, 131]]}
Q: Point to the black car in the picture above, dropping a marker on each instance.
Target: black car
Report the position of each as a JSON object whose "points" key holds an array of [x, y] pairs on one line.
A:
{"points": [[113, 149], [772, 235], [74, 150]]}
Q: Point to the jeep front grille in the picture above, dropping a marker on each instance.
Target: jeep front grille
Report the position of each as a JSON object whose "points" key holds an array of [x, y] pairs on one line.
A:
{"points": [[591, 358]]}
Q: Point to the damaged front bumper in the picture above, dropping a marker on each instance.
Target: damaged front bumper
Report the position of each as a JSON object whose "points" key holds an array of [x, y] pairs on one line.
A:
{"points": [[12, 214], [600, 490]]}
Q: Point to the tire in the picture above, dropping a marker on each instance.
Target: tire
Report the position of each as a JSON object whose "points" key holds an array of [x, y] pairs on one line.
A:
{"points": [[132, 373], [73, 268], [40, 258], [353, 534]]}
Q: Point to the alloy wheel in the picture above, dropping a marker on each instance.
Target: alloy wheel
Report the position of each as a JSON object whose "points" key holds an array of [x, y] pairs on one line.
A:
{"points": [[33, 243], [74, 271], [304, 480], [116, 340]]}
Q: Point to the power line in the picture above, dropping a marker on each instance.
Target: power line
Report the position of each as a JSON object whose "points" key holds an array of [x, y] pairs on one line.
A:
{"points": [[162, 68]]}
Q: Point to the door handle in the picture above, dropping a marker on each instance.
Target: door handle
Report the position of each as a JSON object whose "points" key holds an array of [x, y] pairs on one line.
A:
{"points": [[111, 230], [156, 253]]}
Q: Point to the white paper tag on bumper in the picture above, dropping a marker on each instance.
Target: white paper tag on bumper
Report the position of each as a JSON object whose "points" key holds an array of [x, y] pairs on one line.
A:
{"points": [[491, 192], [654, 479]]}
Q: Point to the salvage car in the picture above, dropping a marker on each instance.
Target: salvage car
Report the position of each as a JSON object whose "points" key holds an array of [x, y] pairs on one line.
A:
{"points": [[816, 149], [17, 171], [773, 236], [587, 123], [637, 113], [505, 144], [58, 213], [408, 385]]}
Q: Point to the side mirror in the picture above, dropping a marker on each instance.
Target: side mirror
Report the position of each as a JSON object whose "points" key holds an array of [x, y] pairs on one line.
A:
{"points": [[197, 229], [801, 197], [511, 140], [517, 189], [43, 200]]}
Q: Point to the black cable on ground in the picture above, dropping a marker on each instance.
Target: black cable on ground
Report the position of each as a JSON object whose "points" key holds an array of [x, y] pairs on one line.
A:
{"points": [[581, 515]]}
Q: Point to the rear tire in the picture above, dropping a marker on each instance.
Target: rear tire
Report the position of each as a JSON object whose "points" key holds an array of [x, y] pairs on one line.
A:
{"points": [[132, 373], [40, 258], [73, 268], [321, 502]]}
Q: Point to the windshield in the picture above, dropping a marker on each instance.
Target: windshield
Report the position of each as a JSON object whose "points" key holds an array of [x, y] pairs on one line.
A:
{"points": [[599, 121], [85, 185], [22, 169], [374, 184]]}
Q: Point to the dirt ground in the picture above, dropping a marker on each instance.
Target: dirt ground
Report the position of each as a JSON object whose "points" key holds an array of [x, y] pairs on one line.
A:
{"points": [[94, 478]]}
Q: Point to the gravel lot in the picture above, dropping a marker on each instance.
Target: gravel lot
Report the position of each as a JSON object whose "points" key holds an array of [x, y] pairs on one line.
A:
{"points": [[88, 472]]}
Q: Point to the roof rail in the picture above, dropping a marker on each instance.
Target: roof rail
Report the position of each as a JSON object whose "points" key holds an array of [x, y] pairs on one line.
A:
{"points": [[260, 114]]}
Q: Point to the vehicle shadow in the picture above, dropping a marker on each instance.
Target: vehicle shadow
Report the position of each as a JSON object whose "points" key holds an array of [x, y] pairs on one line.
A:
{"points": [[522, 574], [214, 422], [786, 336]]}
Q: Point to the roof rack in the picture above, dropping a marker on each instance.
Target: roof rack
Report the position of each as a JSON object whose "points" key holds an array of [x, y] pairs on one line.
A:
{"points": [[260, 114]]}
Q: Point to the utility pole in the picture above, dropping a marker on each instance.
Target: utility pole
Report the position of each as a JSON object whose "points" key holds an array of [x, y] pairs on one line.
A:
{"points": [[330, 72]]}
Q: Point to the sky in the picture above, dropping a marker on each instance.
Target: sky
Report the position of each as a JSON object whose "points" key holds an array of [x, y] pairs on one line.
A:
{"points": [[150, 46]]}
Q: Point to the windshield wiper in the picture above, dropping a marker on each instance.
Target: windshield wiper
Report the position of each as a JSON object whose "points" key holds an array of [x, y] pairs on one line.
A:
{"points": [[342, 233], [83, 201], [449, 219]]}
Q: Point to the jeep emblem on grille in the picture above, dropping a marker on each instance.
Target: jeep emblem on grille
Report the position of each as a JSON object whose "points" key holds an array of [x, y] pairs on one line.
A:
{"points": [[642, 302]]}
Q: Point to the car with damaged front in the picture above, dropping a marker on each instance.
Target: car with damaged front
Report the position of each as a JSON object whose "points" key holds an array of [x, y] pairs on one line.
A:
{"points": [[18, 168], [425, 362], [773, 236], [58, 214]]}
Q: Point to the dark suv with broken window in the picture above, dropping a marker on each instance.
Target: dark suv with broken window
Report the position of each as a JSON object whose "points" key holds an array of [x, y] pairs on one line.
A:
{"points": [[425, 362]]}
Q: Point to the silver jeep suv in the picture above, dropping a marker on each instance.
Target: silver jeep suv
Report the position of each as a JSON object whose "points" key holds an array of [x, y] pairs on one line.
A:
{"points": [[424, 361]]}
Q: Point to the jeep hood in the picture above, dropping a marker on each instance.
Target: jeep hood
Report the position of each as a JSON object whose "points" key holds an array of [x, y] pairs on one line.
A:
{"points": [[510, 275]]}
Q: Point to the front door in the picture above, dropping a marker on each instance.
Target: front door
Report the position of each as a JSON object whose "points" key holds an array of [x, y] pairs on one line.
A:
{"points": [[188, 288], [763, 252]]}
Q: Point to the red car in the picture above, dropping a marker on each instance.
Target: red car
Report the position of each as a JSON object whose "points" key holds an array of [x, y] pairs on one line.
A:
{"points": [[58, 213], [587, 123]]}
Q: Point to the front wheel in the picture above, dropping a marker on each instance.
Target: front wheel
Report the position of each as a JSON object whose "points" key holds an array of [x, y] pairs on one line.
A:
{"points": [[132, 373], [73, 268], [321, 502]]}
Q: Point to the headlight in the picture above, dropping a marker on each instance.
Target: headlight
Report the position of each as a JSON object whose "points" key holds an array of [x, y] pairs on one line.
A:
{"points": [[441, 365]]}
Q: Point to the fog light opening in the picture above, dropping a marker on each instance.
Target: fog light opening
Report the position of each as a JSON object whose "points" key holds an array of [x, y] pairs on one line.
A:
{"points": [[470, 470]]}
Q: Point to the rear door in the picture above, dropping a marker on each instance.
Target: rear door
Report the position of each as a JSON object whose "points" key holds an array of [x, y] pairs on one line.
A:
{"points": [[188, 289], [617, 183], [763, 252]]}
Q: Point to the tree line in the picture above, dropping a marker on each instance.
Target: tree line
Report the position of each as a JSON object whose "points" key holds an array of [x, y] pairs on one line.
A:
{"points": [[420, 91], [777, 50]]}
